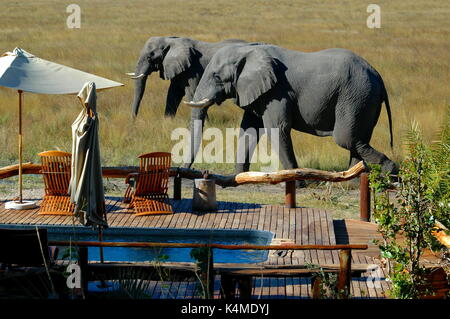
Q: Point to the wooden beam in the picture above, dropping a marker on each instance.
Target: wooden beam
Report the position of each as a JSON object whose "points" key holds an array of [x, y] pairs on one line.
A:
{"points": [[345, 273], [192, 245], [222, 180], [299, 174], [13, 170], [364, 197], [289, 198], [229, 274]]}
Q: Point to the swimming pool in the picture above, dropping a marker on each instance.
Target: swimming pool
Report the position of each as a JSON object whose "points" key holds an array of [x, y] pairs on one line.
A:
{"points": [[169, 235]]}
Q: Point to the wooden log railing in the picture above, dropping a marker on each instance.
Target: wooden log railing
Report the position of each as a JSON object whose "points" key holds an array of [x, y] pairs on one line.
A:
{"points": [[230, 273], [287, 176]]}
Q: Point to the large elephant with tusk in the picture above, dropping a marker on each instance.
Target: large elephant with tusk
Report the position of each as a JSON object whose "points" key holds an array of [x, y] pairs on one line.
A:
{"points": [[332, 92], [182, 61]]}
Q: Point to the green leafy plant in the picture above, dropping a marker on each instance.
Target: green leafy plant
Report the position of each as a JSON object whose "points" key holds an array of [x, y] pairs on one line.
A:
{"points": [[203, 257], [407, 216], [328, 283]]}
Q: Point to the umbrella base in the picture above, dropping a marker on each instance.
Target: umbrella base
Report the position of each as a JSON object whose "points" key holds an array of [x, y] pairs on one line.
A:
{"points": [[26, 204]]}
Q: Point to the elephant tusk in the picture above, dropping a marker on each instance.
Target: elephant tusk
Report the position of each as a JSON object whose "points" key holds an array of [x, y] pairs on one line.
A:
{"points": [[138, 77], [131, 74], [200, 104]]}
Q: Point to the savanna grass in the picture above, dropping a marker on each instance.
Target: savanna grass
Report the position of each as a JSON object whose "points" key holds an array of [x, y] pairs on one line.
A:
{"points": [[410, 50]]}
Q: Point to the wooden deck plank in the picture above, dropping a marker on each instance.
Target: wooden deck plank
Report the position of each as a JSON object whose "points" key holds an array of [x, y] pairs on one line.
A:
{"points": [[311, 237], [236, 216], [324, 225], [243, 216], [255, 216], [300, 225], [231, 215], [221, 215], [261, 218]]}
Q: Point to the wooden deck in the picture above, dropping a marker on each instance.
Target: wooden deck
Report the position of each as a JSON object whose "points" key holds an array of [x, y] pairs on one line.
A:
{"points": [[294, 225]]}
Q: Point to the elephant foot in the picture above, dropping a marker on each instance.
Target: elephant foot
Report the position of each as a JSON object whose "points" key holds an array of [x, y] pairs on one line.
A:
{"points": [[390, 167]]}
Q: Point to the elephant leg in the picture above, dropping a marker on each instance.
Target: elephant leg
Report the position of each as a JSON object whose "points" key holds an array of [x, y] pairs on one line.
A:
{"points": [[354, 158], [354, 127], [278, 115], [174, 96], [287, 155], [371, 155], [198, 117], [346, 136], [250, 125], [285, 148]]}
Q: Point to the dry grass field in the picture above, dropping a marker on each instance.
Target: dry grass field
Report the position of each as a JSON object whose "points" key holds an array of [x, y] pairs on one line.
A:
{"points": [[411, 50]]}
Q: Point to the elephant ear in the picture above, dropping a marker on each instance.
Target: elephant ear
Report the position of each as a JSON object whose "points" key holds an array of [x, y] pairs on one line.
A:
{"points": [[177, 60], [255, 76]]}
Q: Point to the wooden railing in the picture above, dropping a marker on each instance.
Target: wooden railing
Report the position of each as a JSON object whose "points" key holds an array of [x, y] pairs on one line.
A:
{"points": [[287, 176], [230, 273]]}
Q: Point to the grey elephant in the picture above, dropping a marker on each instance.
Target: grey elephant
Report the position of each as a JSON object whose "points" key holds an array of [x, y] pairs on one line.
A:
{"points": [[182, 61], [332, 92]]}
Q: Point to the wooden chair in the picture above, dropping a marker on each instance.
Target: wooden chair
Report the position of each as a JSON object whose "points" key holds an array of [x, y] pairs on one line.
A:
{"points": [[147, 190], [56, 172]]}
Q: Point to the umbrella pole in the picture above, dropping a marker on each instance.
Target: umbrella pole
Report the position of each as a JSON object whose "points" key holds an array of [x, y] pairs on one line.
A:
{"points": [[20, 204], [20, 144], [100, 239]]}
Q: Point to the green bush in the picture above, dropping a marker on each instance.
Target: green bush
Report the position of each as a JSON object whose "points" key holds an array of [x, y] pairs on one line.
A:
{"points": [[410, 212]]}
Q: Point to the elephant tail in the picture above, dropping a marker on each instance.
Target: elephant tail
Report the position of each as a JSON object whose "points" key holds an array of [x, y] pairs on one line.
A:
{"points": [[388, 110]]}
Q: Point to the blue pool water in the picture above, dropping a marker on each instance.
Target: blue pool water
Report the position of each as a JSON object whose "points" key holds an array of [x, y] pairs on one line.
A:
{"points": [[218, 236]]}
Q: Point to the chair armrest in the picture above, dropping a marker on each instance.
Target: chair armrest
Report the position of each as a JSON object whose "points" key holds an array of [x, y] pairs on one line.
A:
{"points": [[130, 176]]}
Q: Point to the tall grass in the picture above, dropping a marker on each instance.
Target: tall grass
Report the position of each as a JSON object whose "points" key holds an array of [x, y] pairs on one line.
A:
{"points": [[411, 51]]}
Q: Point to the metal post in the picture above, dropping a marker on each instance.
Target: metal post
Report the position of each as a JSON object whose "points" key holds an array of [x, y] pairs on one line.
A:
{"points": [[20, 145], [210, 275], [177, 187], [100, 239], [364, 197], [289, 198]]}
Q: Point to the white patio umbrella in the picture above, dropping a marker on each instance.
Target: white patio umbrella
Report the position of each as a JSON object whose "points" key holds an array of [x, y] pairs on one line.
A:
{"points": [[86, 184], [25, 72]]}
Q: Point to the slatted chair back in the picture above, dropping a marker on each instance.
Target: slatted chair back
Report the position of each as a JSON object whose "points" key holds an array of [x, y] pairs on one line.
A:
{"points": [[153, 173], [56, 172]]}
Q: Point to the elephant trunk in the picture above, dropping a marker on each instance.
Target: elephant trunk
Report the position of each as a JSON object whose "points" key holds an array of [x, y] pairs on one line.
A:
{"points": [[198, 117], [139, 90]]}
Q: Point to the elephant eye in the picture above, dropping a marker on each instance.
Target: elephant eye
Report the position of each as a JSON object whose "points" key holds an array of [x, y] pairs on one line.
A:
{"points": [[217, 77]]}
